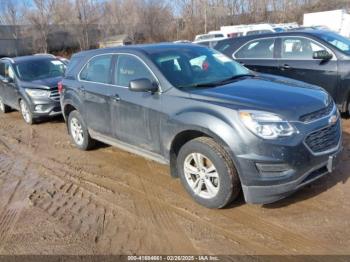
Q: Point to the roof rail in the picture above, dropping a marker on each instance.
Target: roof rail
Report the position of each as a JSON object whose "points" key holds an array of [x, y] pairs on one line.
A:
{"points": [[45, 54], [8, 58]]}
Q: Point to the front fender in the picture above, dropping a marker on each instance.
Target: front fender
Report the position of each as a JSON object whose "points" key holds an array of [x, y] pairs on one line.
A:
{"points": [[215, 126]]}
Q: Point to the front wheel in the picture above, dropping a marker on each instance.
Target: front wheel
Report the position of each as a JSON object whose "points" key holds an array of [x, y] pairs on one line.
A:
{"points": [[79, 132], [26, 113], [208, 173], [3, 108]]}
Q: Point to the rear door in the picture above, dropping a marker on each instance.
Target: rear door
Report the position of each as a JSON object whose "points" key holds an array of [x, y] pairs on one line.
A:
{"points": [[95, 90], [297, 62], [258, 55]]}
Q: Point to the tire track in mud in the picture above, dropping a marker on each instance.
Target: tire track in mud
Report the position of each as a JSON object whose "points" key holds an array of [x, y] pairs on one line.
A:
{"points": [[84, 213], [11, 175], [260, 229], [243, 229]]}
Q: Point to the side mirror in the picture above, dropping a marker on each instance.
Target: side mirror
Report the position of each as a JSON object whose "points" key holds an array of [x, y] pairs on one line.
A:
{"points": [[142, 85], [322, 55]]}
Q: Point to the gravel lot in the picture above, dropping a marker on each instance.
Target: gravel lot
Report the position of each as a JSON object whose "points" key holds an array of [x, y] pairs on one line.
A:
{"points": [[55, 199]]}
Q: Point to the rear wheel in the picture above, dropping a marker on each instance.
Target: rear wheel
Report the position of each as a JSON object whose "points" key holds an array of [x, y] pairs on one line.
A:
{"points": [[79, 132], [4, 108], [208, 173], [26, 113]]}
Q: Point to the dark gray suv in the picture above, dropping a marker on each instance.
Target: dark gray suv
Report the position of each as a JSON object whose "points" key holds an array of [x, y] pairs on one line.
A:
{"points": [[220, 126], [30, 85]]}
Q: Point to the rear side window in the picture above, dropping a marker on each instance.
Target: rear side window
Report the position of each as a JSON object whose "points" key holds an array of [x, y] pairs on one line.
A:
{"points": [[261, 48], [97, 69], [2, 69], [130, 68], [71, 65]]}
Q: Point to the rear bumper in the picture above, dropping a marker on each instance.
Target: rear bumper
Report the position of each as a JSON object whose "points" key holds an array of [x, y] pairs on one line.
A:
{"points": [[264, 194]]}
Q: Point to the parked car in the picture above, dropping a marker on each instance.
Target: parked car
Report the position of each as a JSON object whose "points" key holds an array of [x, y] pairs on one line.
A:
{"points": [[219, 126], [314, 56], [29, 84], [210, 35]]}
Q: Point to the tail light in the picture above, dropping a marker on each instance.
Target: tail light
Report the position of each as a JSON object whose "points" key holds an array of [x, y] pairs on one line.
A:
{"points": [[60, 87]]}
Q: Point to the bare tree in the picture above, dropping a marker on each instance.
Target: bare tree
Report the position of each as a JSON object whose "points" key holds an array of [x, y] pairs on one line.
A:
{"points": [[11, 15], [88, 14], [40, 18]]}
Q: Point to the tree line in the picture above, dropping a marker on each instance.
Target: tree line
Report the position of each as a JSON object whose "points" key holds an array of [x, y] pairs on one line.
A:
{"points": [[80, 24]]}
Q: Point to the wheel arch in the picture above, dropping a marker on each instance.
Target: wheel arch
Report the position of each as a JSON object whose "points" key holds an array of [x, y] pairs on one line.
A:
{"points": [[219, 130]]}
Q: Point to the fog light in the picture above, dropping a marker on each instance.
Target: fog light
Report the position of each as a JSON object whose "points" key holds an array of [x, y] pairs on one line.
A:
{"points": [[39, 108], [274, 170]]}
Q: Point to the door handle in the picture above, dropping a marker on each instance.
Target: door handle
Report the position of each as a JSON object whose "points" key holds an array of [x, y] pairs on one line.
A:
{"points": [[286, 67], [115, 98]]}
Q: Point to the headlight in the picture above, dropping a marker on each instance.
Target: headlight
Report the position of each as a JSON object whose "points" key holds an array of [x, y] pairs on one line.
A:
{"points": [[266, 125], [37, 93]]}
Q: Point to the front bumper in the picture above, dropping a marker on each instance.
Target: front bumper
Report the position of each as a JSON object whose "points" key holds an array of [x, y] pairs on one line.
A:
{"points": [[265, 194], [273, 169], [45, 107]]}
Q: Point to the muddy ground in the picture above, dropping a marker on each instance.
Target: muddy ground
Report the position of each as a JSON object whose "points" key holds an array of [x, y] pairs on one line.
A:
{"points": [[55, 199]]}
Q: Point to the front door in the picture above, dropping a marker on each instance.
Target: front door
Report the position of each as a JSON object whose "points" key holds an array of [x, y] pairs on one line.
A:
{"points": [[135, 115], [297, 62]]}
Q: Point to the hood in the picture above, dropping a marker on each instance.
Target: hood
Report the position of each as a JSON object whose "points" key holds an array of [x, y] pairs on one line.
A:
{"points": [[288, 98], [47, 83]]}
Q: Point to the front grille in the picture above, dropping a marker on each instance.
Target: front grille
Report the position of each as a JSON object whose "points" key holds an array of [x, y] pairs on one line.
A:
{"points": [[317, 114], [54, 95], [324, 139]]}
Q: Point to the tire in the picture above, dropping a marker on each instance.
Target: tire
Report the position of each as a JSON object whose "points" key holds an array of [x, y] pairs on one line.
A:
{"points": [[79, 132], [26, 113], [224, 184], [4, 108]]}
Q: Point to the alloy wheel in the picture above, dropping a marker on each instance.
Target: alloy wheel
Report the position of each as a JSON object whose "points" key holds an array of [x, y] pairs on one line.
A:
{"points": [[25, 111], [2, 105], [77, 131], [201, 175]]}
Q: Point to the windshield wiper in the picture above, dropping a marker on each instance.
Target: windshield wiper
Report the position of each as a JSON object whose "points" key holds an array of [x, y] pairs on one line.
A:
{"points": [[230, 79], [221, 82], [217, 83]]}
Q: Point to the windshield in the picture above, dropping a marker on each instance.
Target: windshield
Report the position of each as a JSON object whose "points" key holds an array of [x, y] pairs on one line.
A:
{"points": [[39, 69], [338, 41], [191, 67]]}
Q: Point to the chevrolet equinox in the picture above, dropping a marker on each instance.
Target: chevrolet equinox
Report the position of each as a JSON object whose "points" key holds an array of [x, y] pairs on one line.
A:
{"points": [[220, 126]]}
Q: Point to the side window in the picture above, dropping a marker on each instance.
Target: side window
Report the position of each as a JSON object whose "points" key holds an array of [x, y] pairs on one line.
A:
{"points": [[262, 48], [299, 48], [2, 70], [6, 71], [9, 72], [130, 68], [97, 69]]}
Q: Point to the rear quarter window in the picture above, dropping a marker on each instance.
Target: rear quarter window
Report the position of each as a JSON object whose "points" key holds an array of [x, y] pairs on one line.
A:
{"points": [[73, 63]]}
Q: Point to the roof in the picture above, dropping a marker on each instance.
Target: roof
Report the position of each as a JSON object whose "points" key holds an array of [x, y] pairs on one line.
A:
{"points": [[303, 32], [143, 48]]}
